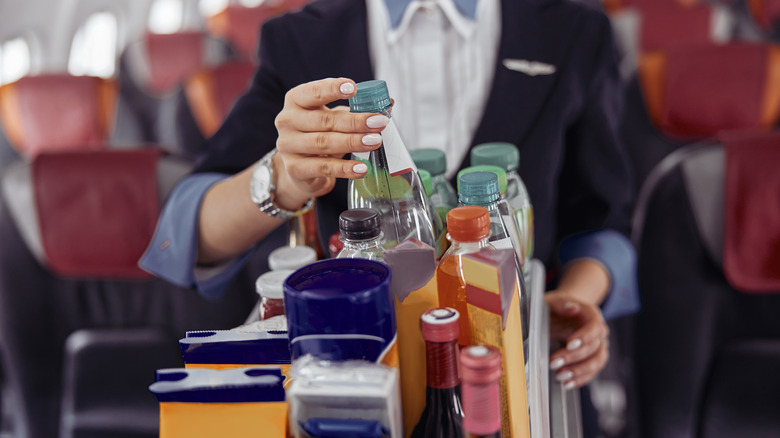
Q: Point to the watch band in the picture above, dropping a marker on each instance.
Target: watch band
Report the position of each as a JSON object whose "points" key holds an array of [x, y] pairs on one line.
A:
{"points": [[262, 189]]}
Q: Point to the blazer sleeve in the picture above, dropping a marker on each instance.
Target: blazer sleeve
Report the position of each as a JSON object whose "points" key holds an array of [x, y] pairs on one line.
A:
{"points": [[596, 195]]}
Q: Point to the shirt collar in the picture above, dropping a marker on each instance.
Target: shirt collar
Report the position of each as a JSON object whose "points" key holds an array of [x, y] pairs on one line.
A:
{"points": [[396, 9]]}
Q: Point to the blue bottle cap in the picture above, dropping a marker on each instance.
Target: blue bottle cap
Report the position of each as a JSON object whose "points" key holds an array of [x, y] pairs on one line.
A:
{"points": [[478, 188], [371, 97]]}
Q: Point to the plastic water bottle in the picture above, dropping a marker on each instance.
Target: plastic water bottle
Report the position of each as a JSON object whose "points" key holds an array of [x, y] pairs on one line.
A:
{"points": [[443, 196], [392, 186], [438, 223], [361, 234], [506, 156]]}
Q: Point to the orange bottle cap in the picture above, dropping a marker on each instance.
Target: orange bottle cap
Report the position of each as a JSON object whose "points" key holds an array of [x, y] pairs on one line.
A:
{"points": [[468, 223]]}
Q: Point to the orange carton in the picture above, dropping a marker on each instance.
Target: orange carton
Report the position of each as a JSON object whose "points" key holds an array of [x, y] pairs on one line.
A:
{"points": [[207, 403], [493, 300]]}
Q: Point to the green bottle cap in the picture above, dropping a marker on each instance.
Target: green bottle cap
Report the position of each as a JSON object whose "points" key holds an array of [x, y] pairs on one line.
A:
{"points": [[432, 160], [478, 188], [427, 181], [500, 174], [501, 154], [371, 97]]}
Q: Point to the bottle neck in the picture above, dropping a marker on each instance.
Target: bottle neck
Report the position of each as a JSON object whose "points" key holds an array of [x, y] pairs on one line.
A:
{"points": [[373, 243], [303, 232], [481, 409], [442, 364]]}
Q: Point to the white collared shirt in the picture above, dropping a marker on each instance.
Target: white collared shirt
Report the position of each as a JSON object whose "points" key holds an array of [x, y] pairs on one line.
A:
{"points": [[439, 68]]}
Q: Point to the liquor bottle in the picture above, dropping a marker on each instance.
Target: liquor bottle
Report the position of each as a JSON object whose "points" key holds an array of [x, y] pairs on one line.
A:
{"points": [[482, 188], [469, 230], [303, 231], [443, 196], [361, 234], [269, 288], [443, 414], [438, 223], [392, 186], [507, 156], [480, 367]]}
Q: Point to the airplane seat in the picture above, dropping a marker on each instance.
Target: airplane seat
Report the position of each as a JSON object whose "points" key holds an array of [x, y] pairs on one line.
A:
{"points": [[647, 25], [209, 94], [765, 16], [686, 94], [151, 73], [239, 25], [707, 342], [81, 325], [55, 112]]}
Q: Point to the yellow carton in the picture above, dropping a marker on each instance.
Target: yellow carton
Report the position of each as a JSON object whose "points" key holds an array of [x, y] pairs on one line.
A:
{"points": [[493, 301]]}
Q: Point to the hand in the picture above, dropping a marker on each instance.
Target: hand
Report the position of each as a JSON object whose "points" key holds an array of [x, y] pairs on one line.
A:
{"points": [[313, 139], [581, 326]]}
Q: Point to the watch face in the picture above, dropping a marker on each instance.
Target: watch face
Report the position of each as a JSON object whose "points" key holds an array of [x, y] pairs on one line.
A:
{"points": [[260, 184]]}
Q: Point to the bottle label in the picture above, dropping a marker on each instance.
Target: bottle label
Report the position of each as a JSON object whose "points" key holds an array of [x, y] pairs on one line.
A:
{"points": [[399, 161]]}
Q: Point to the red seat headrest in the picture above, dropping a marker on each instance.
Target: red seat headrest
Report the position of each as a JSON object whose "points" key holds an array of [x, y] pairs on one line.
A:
{"points": [[211, 92], [96, 210], [51, 113], [751, 244], [240, 25], [697, 91], [172, 57]]}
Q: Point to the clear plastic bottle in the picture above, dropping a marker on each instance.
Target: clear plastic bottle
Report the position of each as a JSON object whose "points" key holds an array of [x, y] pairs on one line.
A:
{"points": [[505, 211], [392, 186], [438, 224], [481, 188], [506, 156], [361, 234], [443, 196], [469, 230]]}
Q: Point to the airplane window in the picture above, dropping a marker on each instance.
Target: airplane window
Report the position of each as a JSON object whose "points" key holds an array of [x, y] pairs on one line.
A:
{"points": [[211, 7], [166, 16], [93, 51], [14, 60]]}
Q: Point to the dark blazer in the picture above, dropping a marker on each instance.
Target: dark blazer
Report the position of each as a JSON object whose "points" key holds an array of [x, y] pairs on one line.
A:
{"points": [[565, 124]]}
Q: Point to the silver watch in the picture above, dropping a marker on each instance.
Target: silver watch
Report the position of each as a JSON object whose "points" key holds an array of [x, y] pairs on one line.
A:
{"points": [[262, 189]]}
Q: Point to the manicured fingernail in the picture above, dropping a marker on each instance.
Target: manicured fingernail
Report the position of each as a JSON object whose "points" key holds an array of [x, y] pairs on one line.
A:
{"points": [[378, 121], [569, 385], [569, 306], [372, 139], [347, 88], [574, 344], [360, 168], [564, 376], [557, 363]]}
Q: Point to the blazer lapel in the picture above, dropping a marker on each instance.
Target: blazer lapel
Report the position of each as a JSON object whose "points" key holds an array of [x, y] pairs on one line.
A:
{"points": [[538, 52]]}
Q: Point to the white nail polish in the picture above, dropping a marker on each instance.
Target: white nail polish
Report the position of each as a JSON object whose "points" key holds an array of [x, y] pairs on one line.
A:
{"points": [[557, 363], [569, 385], [378, 121], [372, 139], [564, 376], [347, 88], [360, 168], [573, 345]]}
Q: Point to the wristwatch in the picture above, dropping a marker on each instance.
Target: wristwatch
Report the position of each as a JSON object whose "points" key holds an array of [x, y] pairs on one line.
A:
{"points": [[262, 189]]}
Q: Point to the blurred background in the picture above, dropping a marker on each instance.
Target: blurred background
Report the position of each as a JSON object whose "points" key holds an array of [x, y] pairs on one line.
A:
{"points": [[133, 87]]}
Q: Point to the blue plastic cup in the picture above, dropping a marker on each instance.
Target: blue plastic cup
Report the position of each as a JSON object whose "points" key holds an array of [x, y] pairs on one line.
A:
{"points": [[341, 309]]}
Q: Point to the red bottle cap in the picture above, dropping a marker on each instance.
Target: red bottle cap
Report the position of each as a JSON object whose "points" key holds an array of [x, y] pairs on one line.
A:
{"points": [[440, 325], [468, 223], [480, 364]]}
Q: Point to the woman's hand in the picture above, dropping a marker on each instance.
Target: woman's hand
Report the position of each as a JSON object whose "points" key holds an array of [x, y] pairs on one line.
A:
{"points": [[586, 336], [313, 139]]}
